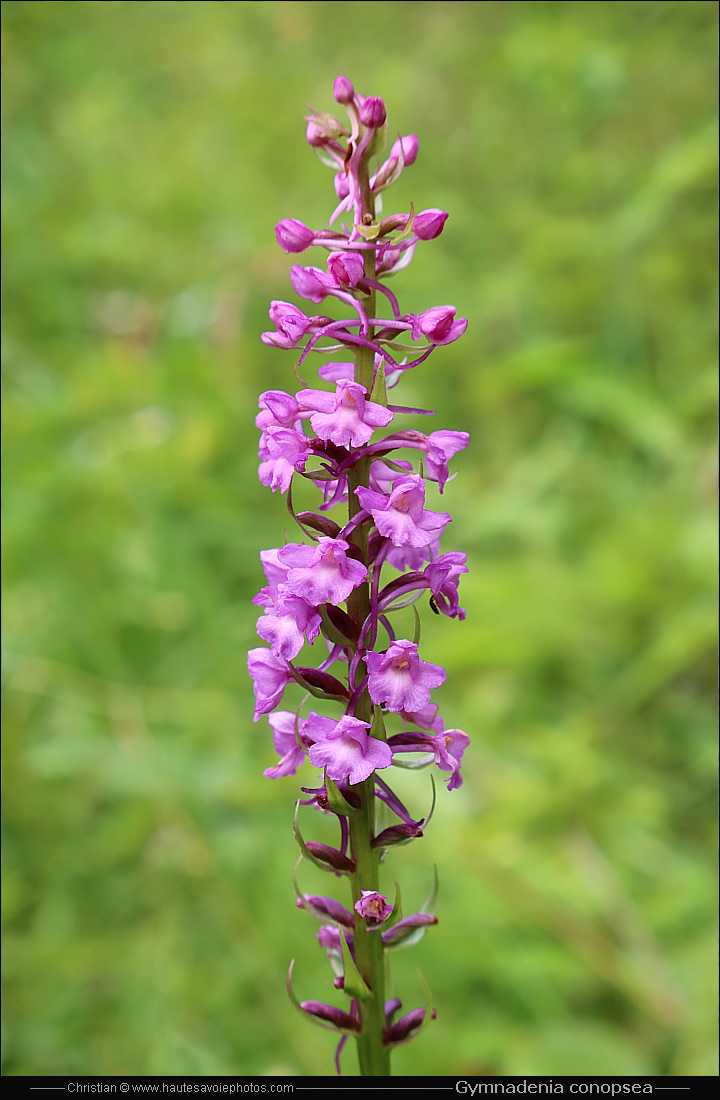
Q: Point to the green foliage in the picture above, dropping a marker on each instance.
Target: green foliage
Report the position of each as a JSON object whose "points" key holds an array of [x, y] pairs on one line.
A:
{"points": [[148, 899]]}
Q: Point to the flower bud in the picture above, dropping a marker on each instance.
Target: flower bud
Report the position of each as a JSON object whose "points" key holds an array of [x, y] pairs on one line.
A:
{"points": [[343, 90], [329, 938], [403, 1030], [314, 678], [429, 224], [409, 147], [327, 908], [330, 857], [323, 128], [397, 834], [346, 267], [293, 236], [372, 112], [405, 929], [402, 154], [439, 325], [332, 1015]]}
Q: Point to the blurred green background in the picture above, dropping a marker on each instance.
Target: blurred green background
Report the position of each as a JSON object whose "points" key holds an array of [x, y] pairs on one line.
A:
{"points": [[150, 148]]}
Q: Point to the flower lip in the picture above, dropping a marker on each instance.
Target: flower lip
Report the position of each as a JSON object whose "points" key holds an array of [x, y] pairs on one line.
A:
{"points": [[344, 748], [399, 679], [346, 417], [270, 676], [401, 516], [324, 573]]}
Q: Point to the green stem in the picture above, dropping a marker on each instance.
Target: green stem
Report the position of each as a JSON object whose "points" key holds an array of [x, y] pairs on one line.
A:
{"points": [[373, 1058]]}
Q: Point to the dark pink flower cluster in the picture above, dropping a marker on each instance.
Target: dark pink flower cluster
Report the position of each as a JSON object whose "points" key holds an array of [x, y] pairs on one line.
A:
{"points": [[328, 591]]}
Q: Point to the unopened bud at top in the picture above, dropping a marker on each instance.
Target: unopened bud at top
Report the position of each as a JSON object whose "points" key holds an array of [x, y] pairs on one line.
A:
{"points": [[408, 145], [293, 236], [429, 224], [372, 111], [323, 127], [403, 153], [343, 90]]}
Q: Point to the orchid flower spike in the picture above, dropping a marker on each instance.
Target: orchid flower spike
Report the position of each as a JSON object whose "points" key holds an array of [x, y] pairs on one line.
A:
{"points": [[358, 699]]}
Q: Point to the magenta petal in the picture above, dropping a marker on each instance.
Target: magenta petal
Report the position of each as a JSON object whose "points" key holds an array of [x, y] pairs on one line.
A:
{"points": [[400, 680], [282, 633], [293, 236], [269, 675], [285, 739], [323, 573], [346, 751], [402, 517], [273, 568], [346, 417], [449, 749]]}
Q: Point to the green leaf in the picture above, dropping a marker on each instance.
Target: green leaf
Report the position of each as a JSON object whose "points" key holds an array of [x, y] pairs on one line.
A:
{"points": [[336, 799], [325, 1024], [416, 635], [379, 391], [379, 140], [323, 864], [396, 914], [369, 232], [415, 765], [378, 727], [320, 684], [428, 1003], [431, 900], [395, 466], [354, 985], [331, 629], [432, 804]]}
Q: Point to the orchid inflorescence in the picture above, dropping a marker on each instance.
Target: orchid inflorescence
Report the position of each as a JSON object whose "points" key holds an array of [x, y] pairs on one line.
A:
{"points": [[376, 677]]}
